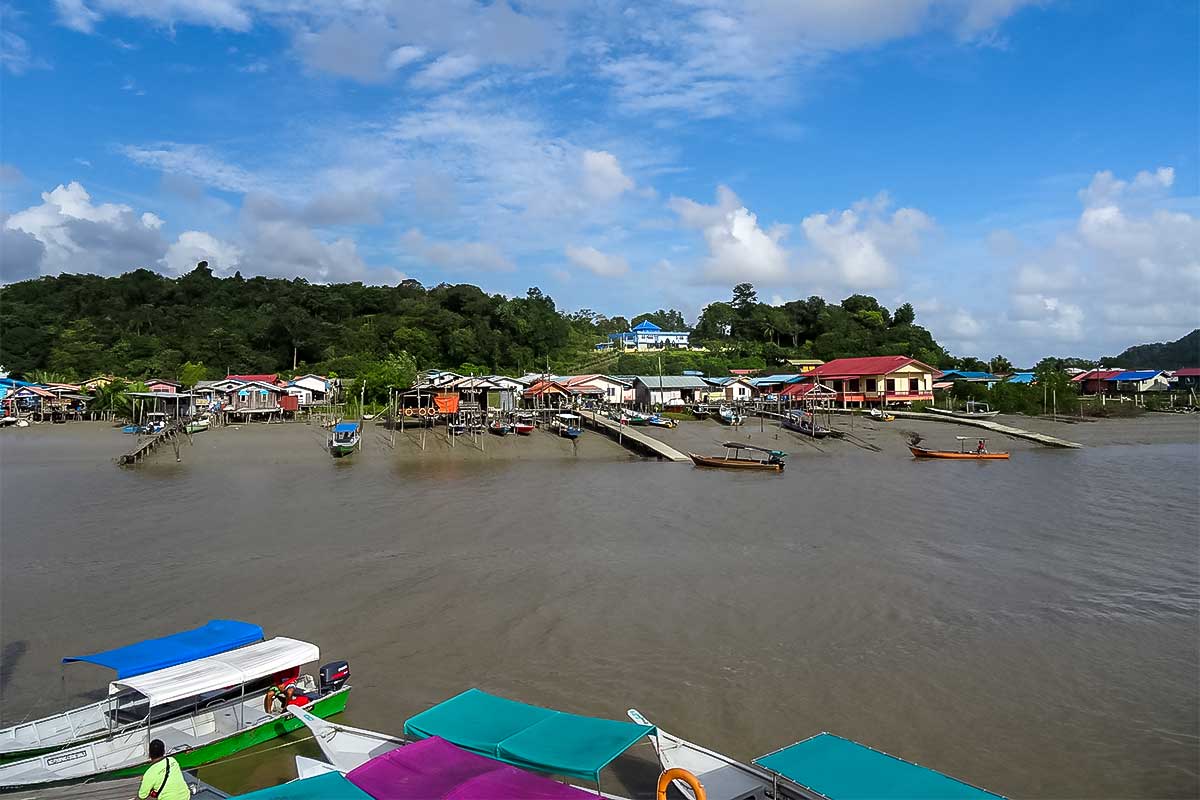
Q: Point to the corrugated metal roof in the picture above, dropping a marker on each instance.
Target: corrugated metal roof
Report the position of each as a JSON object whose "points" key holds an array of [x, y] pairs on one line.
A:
{"points": [[1188, 372], [774, 379], [1022, 377], [968, 374], [672, 381], [868, 365], [1135, 375]]}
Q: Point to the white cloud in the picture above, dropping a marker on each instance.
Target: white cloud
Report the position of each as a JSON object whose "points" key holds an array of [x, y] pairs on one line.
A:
{"points": [[738, 249], [457, 255], [256, 67], [602, 264], [857, 248], [403, 56], [194, 246], [602, 175], [76, 15], [287, 249], [445, 70], [15, 55], [195, 162]]}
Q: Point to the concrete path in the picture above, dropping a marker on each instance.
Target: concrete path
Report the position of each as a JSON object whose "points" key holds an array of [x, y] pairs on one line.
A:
{"points": [[631, 438]]}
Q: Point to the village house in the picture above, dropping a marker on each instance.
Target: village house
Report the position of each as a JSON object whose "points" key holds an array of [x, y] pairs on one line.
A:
{"points": [[646, 336], [804, 364], [951, 376], [310, 390], [770, 385], [669, 390], [162, 386], [613, 391], [732, 390], [875, 380], [546, 394], [271, 378], [1186, 378], [253, 399], [809, 394], [1136, 381], [1094, 381]]}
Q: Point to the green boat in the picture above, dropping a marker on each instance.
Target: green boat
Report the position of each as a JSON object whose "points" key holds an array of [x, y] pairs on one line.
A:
{"points": [[224, 710], [345, 439]]}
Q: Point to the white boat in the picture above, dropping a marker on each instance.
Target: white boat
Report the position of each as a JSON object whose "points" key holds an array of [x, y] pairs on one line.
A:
{"points": [[214, 706], [198, 425], [822, 767], [345, 439], [730, 416], [155, 422], [103, 718], [567, 425], [973, 411], [7, 420]]}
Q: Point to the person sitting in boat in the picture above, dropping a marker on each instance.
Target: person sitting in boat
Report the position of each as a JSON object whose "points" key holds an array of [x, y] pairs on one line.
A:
{"points": [[164, 779], [982, 448], [286, 692]]}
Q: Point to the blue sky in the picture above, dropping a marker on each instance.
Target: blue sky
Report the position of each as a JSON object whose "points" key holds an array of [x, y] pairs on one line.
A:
{"points": [[1025, 173]]}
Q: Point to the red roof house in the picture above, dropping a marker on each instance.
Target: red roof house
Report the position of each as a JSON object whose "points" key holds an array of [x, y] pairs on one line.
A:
{"points": [[272, 378], [875, 380], [1093, 381]]}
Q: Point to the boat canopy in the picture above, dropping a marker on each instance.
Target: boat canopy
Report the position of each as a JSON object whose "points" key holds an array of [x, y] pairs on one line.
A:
{"points": [[838, 768], [219, 672], [434, 769], [218, 636], [526, 736], [346, 427], [328, 786]]}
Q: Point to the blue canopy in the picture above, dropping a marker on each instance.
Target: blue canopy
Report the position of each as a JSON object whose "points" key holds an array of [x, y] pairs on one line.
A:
{"points": [[330, 786], [840, 769], [218, 636], [530, 737], [345, 427]]}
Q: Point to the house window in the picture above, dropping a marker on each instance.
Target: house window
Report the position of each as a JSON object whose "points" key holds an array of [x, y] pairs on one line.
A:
{"points": [[871, 384], [914, 384], [854, 385], [891, 384]]}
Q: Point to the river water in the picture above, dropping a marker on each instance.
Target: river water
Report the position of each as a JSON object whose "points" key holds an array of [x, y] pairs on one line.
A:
{"points": [[1029, 626]]}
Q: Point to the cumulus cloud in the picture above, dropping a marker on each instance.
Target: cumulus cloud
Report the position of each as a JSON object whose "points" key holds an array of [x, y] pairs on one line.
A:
{"points": [[80, 236], [403, 56], [457, 255], [602, 264], [20, 255], [287, 249], [446, 69], [193, 247], [738, 248], [858, 247], [602, 175]]}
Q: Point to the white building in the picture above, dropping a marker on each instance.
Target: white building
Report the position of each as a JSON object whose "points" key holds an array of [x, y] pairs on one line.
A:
{"points": [[648, 336]]}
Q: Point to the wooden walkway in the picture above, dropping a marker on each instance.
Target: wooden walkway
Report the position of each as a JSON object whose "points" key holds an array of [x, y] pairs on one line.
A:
{"points": [[147, 446], [986, 424], [632, 439]]}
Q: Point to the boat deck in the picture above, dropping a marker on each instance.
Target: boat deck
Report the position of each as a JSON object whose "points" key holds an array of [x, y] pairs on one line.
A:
{"points": [[109, 790], [632, 438]]}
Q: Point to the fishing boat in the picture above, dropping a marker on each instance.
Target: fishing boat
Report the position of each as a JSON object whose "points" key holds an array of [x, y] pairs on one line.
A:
{"points": [[973, 410], [802, 422], [822, 767], [131, 429], [567, 425], [980, 451], [524, 424], [100, 719], [658, 421], [7, 420], [155, 422], [197, 425], [499, 427], [636, 418], [733, 458], [730, 416], [345, 439], [699, 412], [880, 416], [203, 710]]}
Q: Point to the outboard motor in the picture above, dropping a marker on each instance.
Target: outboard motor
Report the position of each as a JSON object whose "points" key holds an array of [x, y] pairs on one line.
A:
{"points": [[334, 676]]}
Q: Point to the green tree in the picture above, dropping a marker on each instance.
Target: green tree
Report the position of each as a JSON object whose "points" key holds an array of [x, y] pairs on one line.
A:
{"points": [[190, 374], [745, 297]]}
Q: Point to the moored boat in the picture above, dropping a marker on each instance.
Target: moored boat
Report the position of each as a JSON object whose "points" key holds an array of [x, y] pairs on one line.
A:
{"points": [[730, 416], [567, 425], [155, 422], [802, 422], [198, 425], [345, 439], [880, 416], [973, 410], [223, 707], [979, 452], [659, 421], [524, 424], [456, 428], [636, 418], [96, 720], [822, 767], [499, 427], [733, 458]]}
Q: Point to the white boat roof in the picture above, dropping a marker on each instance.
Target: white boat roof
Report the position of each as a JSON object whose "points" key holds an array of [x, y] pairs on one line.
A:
{"points": [[220, 671]]}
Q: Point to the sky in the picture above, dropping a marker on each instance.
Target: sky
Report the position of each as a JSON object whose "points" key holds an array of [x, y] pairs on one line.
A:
{"points": [[1024, 172]]}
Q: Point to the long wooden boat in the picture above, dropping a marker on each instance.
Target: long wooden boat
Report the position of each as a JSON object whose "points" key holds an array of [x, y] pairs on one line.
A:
{"points": [[803, 423], [822, 767], [223, 711], [921, 452], [773, 460], [97, 720]]}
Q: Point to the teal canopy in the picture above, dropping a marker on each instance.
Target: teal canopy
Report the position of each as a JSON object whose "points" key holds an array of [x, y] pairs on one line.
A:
{"points": [[526, 736], [840, 769], [330, 786]]}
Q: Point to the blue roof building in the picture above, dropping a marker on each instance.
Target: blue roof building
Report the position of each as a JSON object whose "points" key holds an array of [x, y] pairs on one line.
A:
{"points": [[969, 376], [648, 336], [1022, 377]]}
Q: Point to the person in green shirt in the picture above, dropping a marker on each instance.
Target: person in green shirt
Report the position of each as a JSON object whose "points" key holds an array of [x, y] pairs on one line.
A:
{"points": [[164, 779]]}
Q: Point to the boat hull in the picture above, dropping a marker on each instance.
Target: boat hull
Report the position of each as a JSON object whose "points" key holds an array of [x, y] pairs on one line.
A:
{"points": [[920, 452], [945, 412], [523, 429], [719, 462], [207, 753], [341, 450]]}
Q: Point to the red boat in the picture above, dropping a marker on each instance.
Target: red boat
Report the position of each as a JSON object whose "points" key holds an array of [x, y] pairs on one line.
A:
{"points": [[523, 425]]}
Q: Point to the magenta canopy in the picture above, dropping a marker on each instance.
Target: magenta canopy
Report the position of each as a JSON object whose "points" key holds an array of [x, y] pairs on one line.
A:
{"points": [[434, 769]]}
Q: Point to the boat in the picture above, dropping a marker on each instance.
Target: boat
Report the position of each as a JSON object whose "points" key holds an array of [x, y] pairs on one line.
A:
{"points": [[83, 724], [802, 422], [214, 706], [973, 410], [567, 425], [733, 458], [699, 412], [524, 424], [980, 451], [499, 427], [659, 421], [730, 416], [7, 420], [880, 416], [197, 425], [155, 422], [456, 428], [821, 767], [636, 418], [345, 439], [504, 741], [131, 429]]}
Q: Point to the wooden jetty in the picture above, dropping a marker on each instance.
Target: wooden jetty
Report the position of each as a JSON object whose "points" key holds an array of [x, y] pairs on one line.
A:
{"points": [[632, 439], [168, 435], [986, 424]]}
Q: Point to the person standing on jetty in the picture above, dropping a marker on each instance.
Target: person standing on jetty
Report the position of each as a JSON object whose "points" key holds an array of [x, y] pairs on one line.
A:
{"points": [[164, 779]]}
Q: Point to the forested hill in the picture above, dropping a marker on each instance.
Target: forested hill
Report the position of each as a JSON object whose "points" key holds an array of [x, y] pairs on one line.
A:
{"points": [[1183, 352], [199, 325]]}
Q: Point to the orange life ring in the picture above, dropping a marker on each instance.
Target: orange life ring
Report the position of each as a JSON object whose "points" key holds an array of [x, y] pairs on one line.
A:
{"points": [[408, 412], [677, 774]]}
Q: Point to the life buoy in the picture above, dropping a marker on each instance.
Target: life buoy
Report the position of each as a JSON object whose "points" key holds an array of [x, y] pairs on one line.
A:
{"points": [[677, 774], [408, 412]]}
